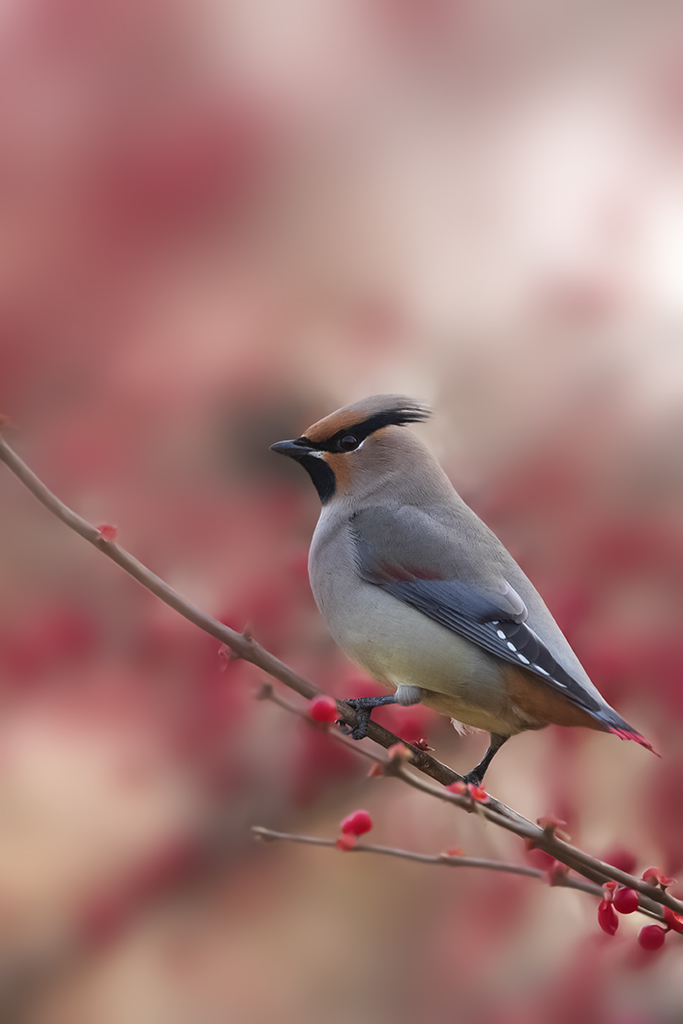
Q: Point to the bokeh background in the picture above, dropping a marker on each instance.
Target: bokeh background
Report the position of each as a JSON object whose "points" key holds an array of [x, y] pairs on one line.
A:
{"points": [[220, 220]]}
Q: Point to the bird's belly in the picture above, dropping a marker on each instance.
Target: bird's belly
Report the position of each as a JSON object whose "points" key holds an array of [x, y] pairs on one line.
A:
{"points": [[398, 646]]}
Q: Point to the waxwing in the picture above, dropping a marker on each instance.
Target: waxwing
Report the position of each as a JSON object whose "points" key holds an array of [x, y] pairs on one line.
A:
{"points": [[417, 589]]}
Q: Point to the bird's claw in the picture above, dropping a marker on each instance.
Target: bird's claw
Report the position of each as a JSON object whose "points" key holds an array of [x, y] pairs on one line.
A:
{"points": [[360, 730], [354, 731]]}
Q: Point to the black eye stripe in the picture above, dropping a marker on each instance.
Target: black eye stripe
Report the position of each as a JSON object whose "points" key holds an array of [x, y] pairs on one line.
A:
{"points": [[359, 431]]}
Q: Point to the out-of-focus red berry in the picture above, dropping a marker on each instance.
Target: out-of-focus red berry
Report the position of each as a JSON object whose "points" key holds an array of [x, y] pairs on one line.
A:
{"points": [[607, 917], [651, 937], [319, 764], [479, 794], [346, 842], [323, 709], [622, 859], [674, 920], [538, 858], [459, 788], [557, 874], [107, 531], [399, 751], [626, 901], [165, 866], [356, 824], [409, 723], [103, 917]]}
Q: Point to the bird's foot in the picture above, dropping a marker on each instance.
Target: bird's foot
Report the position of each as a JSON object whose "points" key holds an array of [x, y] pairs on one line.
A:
{"points": [[364, 706], [475, 777]]}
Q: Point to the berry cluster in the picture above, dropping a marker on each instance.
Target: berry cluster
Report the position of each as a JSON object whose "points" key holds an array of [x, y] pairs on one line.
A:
{"points": [[626, 901]]}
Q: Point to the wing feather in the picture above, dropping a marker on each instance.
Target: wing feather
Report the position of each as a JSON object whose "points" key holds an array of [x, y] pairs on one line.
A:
{"points": [[488, 611]]}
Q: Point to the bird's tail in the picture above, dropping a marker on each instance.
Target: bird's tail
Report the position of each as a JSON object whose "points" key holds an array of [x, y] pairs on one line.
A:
{"points": [[616, 725]]}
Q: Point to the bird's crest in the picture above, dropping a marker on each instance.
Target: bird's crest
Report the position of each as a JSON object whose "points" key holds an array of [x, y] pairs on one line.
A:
{"points": [[365, 417]]}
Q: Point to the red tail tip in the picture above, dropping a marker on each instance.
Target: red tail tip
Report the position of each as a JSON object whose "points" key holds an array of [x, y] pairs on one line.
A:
{"points": [[623, 734]]}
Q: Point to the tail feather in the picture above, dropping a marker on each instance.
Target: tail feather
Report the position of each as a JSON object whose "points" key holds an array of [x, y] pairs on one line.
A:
{"points": [[630, 734], [614, 723]]}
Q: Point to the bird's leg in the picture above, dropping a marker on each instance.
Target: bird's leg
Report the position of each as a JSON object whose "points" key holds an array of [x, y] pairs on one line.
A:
{"points": [[363, 706], [477, 774]]}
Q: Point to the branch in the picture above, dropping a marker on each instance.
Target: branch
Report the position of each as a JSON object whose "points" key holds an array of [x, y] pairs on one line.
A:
{"points": [[444, 859], [269, 836], [542, 839], [268, 693], [242, 645], [652, 897]]}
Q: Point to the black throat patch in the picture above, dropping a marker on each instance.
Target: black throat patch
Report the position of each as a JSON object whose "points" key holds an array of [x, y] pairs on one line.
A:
{"points": [[322, 476]]}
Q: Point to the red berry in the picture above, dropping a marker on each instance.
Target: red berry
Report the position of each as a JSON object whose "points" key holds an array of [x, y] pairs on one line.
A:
{"points": [[323, 709], [674, 920], [651, 937], [356, 824], [626, 901], [607, 917]]}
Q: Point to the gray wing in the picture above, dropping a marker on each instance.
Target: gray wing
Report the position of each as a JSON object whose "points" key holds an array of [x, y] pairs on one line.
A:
{"points": [[461, 586]]}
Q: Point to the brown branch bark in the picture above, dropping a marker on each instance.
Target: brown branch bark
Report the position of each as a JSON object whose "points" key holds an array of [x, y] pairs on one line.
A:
{"points": [[268, 693], [243, 646], [652, 897], [450, 860]]}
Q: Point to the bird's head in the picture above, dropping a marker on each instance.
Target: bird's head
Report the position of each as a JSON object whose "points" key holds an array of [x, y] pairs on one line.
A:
{"points": [[350, 451]]}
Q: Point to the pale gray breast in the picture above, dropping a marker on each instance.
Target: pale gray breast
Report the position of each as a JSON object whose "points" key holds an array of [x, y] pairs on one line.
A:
{"points": [[395, 643], [336, 587]]}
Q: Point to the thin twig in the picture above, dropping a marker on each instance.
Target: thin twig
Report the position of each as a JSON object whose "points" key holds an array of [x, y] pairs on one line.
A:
{"points": [[592, 868], [268, 835], [246, 648], [443, 859]]}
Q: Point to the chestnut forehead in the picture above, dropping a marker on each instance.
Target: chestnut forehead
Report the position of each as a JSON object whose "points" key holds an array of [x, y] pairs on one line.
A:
{"points": [[367, 416], [345, 419]]}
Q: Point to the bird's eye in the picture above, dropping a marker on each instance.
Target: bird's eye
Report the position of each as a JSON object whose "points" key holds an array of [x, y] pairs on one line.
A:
{"points": [[348, 443]]}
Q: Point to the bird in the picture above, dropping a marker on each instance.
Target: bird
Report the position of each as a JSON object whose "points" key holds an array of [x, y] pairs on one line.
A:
{"points": [[416, 589]]}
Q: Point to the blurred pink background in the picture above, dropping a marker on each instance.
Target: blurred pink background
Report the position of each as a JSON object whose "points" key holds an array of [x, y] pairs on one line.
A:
{"points": [[220, 221]]}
